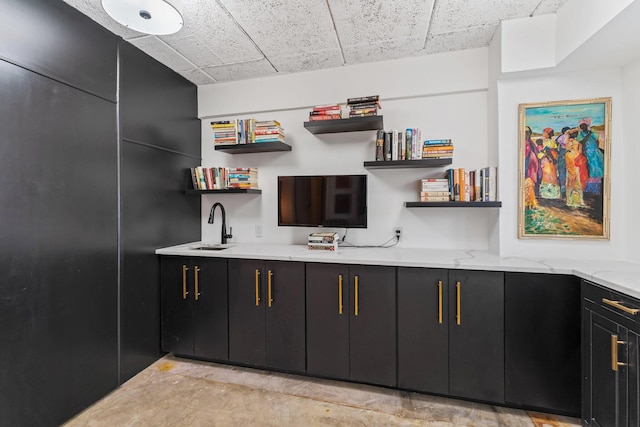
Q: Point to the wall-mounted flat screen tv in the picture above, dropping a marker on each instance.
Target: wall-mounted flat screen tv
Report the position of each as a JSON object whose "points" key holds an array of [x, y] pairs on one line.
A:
{"points": [[323, 201]]}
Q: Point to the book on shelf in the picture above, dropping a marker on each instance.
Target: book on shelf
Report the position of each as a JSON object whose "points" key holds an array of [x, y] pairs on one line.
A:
{"points": [[380, 145], [220, 178], [388, 145], [326, 107], [353, 114], [363, 99], [478, 185], [325, 112], [325, 117], [242, 131], [425, 197], [428, 142]]}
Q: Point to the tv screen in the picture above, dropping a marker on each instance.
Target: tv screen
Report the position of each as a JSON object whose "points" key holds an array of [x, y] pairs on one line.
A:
{"points": [[323, 201]]}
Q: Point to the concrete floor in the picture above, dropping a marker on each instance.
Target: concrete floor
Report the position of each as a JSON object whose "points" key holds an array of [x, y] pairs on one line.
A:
{"points": [[182, 392]]}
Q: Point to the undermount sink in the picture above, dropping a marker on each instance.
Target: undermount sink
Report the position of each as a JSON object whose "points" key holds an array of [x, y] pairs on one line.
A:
{"points": [[209, 247]]}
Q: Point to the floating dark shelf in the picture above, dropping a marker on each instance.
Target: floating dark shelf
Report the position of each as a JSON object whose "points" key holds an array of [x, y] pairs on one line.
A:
{"points": [[401, 164], [226, 191], [258, 147], [352, 124], [453, 204]]}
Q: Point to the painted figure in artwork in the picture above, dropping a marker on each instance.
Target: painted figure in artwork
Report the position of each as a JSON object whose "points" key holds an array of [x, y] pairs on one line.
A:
{"points": [[594, 156], [576, 165], [531, 163]]}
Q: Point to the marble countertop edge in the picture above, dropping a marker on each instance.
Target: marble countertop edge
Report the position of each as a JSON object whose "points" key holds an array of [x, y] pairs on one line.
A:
{"points": [[621, 276]]}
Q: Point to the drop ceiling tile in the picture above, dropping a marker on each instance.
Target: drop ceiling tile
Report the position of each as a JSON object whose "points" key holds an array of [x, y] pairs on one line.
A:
{"points": [[240, 71], [93, 9], [197, 77], [361, 22], [210, 36], [452, 15], [469, 38], [389, 49], [549, 6], [159, 50], [308, 61], [285, 27]]}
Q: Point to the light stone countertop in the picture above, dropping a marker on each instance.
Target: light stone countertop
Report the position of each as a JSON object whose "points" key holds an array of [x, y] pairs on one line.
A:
{"points": [[617, 275]]}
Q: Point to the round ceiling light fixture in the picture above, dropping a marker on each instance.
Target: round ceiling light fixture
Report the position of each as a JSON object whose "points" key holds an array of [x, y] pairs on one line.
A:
{"points": [[156, 17]]}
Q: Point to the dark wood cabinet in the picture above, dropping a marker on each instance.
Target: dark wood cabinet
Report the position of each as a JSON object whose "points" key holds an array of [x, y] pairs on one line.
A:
{"points": [[351, 322], [450, 332], [609, 358], [476, 335], [542, 342], [267, 314], [423, 329], [194, 307]]}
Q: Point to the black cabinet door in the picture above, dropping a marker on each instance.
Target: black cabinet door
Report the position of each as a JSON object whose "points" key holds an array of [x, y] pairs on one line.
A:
{"points": [[423, 330], [542, 342], [210, 308], [328, 307], [605, 402], [247, 304], [372, 324], [285, 315], [176, 293], [476, 335]]}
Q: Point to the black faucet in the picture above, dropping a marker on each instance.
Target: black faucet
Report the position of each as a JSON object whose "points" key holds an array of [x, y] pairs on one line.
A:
{"points": [[223, 231]]}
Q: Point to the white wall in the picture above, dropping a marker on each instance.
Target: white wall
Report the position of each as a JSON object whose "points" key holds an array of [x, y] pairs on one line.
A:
{"points": [[631, 153], [445, 95]]}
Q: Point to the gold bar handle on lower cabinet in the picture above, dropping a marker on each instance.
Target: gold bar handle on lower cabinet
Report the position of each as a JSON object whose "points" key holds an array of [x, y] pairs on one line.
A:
{"points": [[614, 353], [440, 301], [458, 311], [257, 288], [269, 276], [184, 281], [356, 296], [196, 270], [340, 294], [618, 305]]}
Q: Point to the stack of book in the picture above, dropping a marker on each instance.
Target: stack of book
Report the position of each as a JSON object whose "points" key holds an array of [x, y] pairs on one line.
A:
{"points": [[325, 112], [242, 178], [323, 241], [209, 178], [435, 190], [225, 132], [479, 185], [363, 106], [268, 131], [437, 149]]}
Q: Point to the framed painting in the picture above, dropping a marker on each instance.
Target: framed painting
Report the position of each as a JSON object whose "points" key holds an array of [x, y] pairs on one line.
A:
{"points": [[563, 181]]}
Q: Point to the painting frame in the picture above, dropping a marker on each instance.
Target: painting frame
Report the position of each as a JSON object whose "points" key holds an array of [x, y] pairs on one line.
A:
{"points": [[574, 138]]}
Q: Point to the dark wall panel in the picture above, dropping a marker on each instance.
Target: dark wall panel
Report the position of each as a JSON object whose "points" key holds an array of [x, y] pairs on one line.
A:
{"points": [[54, 39], [58, 257], [158, 112], [158, 106], [155, 213]]}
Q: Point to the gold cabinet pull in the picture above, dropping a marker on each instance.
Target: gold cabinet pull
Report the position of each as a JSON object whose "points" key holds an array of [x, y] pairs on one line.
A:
{"points": [[257, 288], [618, 305], [184, 281], [614, 353], [458, 314], [196, 269], [269, 275], [440, 301], [340, 294], [356, 296]]}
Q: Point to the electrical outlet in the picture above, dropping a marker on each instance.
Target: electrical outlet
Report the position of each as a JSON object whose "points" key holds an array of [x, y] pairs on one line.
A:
{"points": [[397, 231], [258, 230]]}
